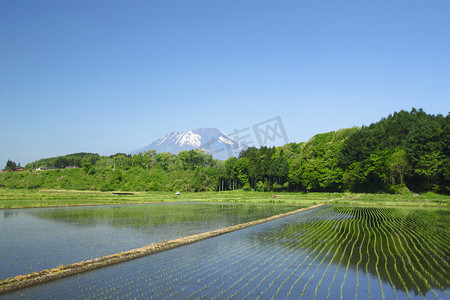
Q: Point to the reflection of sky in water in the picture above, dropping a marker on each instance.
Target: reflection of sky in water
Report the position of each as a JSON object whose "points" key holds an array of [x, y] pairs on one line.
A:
{"points": [[246, 263], [36, 239]]}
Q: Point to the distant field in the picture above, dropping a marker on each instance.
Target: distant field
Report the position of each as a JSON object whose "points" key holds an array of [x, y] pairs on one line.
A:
{"points": [[46, 198]]}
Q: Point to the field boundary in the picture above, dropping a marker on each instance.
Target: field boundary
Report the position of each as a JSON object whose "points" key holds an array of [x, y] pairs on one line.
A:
{"points": [[21, 281]]}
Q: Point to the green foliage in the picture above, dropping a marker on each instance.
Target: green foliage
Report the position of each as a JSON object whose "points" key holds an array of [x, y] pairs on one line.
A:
{"points": [[70, 160], [405, 151], [11, 165], [418, 148]]}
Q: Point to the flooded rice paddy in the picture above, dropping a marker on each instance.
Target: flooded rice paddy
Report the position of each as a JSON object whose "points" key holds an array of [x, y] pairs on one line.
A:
{"points": [[324, 253], [41, 238]]}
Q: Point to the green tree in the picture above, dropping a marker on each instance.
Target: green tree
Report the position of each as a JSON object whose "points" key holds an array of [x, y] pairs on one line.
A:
{"points": [[88, 168], [166, 161], [399, 165], [232, 172], [242, 170], [10, 165], [430, 166]]}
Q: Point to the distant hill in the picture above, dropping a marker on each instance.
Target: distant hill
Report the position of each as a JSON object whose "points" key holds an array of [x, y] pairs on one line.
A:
{"points": [[211, 140], [69, 160]]}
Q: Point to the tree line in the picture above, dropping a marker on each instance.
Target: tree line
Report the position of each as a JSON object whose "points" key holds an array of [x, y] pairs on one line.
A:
{"points": [[11, 165], [405, 151]]}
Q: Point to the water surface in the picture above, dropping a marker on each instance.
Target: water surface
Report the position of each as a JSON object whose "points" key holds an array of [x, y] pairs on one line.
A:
{"points": [[41, 238]]}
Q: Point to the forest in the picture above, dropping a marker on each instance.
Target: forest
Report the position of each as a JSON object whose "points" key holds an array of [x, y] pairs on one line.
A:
{"points": [[404, 152]]}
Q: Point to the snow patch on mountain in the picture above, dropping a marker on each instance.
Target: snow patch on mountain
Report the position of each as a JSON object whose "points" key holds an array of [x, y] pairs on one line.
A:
{"points": [[224, 140], [211, 140], [189, 138]]}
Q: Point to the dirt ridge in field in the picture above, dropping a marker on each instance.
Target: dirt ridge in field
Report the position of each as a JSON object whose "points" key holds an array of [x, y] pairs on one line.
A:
{"points": [[21, 281]]}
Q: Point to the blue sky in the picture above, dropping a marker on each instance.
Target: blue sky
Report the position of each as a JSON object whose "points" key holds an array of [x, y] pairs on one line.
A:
{"points": [[113, 76]]}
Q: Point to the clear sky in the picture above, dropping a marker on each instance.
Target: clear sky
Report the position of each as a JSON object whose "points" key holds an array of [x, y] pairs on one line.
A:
{"points": [[112, 76]]}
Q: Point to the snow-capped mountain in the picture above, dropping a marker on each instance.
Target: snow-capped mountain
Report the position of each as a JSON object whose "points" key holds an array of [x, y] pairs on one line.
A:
{"points": [[210, 140]]}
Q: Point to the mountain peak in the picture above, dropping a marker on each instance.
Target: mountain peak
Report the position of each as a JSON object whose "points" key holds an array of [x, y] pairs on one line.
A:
{"points": [[209, 139]]}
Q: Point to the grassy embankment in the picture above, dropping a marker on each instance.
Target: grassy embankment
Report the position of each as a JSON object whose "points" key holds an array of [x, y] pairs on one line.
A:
{"points": [[12, 198]]}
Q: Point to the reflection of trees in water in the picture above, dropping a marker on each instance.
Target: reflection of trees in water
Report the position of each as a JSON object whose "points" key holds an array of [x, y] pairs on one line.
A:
{"points": [[406, 248], [144, 216], [9, 213]]}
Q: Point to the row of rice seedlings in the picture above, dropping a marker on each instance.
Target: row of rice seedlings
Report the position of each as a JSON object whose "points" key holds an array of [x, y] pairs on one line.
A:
{"points": [[408, 264], [354, 223], [123, 283], [216, 267], [389, 230], [361, 246], [390, 233], [318, 246], [418, 234], [311, 236], [198, 275], [315, 231], [344, 241], [374, 220], [326, 270], [295, 271], [348, 222], [308, 241], [225, 286], [180, 271], [276, 260], [286, 258], [210, 283], [337, 247], [258, 266], [383, 241], [441, 240], [228, 270], [170, 274], [383, 238], [240, 280], [364, 219], [399, 228], [361, 222], [368, 248], [413, 261], [272, 238], [332, 246], [407, 239], [388, 255]]}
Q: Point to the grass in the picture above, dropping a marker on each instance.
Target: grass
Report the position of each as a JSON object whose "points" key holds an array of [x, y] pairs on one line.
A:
{"points": [[21, 198]]}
